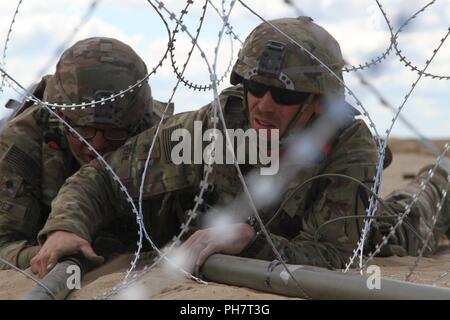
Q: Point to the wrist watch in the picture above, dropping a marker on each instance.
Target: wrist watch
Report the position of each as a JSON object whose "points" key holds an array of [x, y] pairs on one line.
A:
{"points": [[252, 221]]}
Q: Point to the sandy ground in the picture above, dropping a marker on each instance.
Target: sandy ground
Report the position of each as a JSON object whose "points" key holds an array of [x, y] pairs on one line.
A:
{"points": [[408, 159]]}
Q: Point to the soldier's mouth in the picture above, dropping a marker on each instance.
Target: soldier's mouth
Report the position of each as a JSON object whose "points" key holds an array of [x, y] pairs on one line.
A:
{"points": [[265, 124], [89, 157]]}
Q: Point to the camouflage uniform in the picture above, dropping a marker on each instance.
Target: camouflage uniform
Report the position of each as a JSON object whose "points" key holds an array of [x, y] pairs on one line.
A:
{"points": [[313, 227], [35, 159], [410, 236]]}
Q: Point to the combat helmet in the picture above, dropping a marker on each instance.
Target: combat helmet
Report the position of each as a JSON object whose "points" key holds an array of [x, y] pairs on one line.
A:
{"points": [[96, 68], [270, 57]]}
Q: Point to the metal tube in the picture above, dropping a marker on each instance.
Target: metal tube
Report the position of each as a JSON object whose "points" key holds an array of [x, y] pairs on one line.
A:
{"points": [[318, 283], [55, 281]]}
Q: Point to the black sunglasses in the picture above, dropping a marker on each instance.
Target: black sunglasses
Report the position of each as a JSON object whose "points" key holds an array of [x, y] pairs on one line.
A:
{"points": [[110, 134], [280, 96]]}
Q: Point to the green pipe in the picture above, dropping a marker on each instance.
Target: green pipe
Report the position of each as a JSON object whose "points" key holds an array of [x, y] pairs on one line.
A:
{"points": [[56, 281], [318, 283]]}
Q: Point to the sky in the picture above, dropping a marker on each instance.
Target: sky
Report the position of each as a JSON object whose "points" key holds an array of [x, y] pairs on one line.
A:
{"points": [[41, 27]]}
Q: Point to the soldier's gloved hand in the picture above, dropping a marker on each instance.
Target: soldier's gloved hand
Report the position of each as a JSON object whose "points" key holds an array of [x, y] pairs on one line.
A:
{"points": [[231, 239], [61, 244]]}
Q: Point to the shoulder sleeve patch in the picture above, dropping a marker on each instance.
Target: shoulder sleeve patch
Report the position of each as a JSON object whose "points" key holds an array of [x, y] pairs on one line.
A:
{"points": [[19, 161]]}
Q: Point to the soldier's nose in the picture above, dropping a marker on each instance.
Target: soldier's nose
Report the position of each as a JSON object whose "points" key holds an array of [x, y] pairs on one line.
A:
{"points": [[266, 103]]}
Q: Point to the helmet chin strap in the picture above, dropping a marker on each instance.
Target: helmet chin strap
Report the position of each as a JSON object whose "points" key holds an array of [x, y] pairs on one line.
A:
{"points": [[246, 105], [301, 118]]}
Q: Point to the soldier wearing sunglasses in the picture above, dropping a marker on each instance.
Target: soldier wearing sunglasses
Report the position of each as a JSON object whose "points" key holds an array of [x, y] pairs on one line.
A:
{"points": [[278, 86], [38, 153]]}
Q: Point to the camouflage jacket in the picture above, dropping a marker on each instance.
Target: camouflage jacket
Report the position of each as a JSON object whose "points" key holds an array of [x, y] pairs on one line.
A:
{"points": [[34, 163], [91, 199]]}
